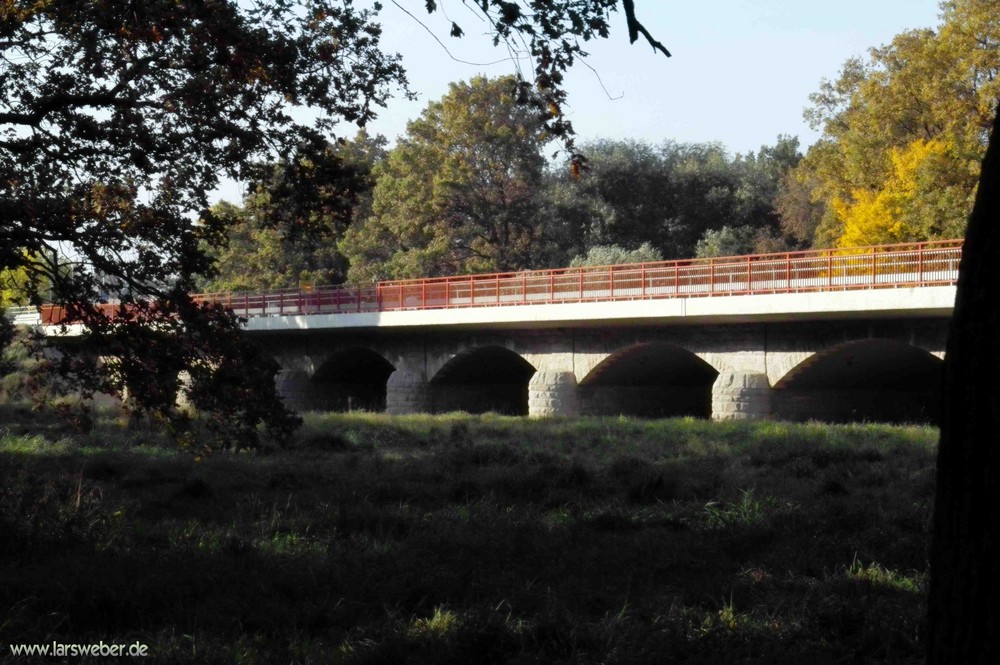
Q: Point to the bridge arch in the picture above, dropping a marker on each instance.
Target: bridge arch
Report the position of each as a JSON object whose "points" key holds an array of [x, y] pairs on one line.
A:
{"points": [[870, 379], [350, 379], [483, 379], [651, 380]]}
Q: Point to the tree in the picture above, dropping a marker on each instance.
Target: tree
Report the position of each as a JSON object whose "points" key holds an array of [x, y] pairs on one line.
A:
{"points": [[324, 198], [727, 241], [799, 210], [457, 194], [116, 121], [12, 286], [964, 603], [926, 88], [607, 255], [669, 196], [917, 200]]}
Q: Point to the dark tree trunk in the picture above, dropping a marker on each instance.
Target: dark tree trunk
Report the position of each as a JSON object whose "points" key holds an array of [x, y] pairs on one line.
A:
{"points": [[965, 555]]}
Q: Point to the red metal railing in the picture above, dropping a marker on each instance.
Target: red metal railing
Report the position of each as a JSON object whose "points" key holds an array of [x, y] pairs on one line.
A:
{"points": [[884, 266]]}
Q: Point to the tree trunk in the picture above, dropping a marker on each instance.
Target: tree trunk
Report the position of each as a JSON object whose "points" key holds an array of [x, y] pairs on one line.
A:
{"points": [[964, 605]]}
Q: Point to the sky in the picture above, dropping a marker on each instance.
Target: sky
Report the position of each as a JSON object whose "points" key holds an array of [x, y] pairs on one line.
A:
{"points": [[740, 74]]}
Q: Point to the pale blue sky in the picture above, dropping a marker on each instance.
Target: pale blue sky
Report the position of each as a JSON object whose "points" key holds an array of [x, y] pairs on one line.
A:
{"points": [[741, 71]]}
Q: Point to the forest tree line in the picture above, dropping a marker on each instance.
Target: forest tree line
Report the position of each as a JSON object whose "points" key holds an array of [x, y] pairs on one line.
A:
{"points": [[476, 184]]}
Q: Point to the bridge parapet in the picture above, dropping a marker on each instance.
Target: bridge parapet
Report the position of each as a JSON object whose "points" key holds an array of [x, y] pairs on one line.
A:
{"points": [[925, 264], [883, 266]]}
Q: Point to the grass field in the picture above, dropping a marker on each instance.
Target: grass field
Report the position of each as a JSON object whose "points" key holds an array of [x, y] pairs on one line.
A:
{"points": [[466, 539]]}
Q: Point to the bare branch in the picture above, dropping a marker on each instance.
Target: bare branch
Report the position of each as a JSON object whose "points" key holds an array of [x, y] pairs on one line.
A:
{"points": [[446, 50]]}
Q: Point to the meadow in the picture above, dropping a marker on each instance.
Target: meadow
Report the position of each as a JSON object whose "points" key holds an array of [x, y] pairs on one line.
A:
{"points": [[471, 539]]}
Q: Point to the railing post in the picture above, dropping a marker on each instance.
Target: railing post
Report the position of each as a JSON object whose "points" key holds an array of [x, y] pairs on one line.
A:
{"points": [[423, 294], [498, 288], [920, 264], [447, 293], [642, 278], [611, 282], [711, 276], [788, 271], [873, 266], [581, 284], [829, 267], [472, 291], [552, 286], [524, 287], [749, 276], [677, 279], [401, 303]]}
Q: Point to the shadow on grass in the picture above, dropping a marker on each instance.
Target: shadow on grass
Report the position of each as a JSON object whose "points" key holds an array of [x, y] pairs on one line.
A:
{"points": [[479, 540]]}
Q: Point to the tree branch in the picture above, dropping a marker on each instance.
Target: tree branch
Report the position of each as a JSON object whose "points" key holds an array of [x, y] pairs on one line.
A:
{"points": [[634, 28]]}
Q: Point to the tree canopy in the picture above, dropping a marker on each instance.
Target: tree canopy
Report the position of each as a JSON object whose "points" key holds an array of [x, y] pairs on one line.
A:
{"points": [[263, 252], [904, 132], [668, 196], [116, 122], [457, 194]]}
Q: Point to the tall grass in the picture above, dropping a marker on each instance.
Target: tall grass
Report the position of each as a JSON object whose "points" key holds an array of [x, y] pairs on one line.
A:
{"points": [[430, 539]]}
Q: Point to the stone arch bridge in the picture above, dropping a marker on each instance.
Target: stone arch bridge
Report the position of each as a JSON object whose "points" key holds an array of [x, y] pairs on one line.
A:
{"points": [[835, 335]]}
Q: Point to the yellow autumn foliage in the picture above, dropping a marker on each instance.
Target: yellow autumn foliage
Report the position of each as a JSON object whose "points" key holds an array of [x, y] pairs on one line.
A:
{"points": [[912, 197]]}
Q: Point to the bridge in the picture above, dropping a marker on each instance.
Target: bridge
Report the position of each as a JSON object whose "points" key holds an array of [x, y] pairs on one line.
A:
{"points": [[841, 334]]}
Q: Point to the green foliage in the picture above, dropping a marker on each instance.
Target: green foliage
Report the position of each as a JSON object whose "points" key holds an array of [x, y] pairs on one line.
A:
{"points": [[799, 211], [669, 196], [878, 575], [29, 280], [456, 195], [288, 230], [606, 255], [633, 197], [747, 511], [904, 132], [727, 241], [258, 258], [13, 285]]}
